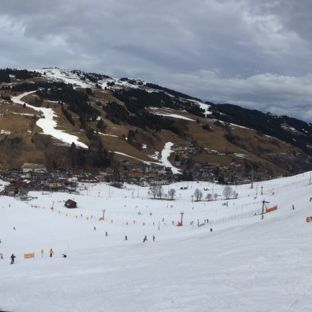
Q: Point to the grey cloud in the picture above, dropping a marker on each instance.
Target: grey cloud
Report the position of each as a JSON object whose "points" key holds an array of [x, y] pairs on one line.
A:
{"points": [[255, 53], [283, 95]]}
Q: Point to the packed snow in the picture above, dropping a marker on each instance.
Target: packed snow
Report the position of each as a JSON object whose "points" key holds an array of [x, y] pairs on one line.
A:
{"points": [[47, 123], [65, 76], [161, 159], [136, 158], [240, 155], [203, 106], [165, 154], [245, 264], [176, 116], [6, 132], [108, 135]]}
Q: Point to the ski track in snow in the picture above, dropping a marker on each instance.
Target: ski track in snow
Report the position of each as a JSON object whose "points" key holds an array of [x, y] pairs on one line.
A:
{"points": [[48, 123], [138, 159], [176, 116], [165, 154], [246, 264], [163, 161]]}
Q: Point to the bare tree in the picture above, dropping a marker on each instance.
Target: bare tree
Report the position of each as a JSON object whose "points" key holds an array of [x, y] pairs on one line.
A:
{"points": [[209, 197], [227, 192], [198, 194], [160, 192], [235, 195], [154, 190], [171, 193]]}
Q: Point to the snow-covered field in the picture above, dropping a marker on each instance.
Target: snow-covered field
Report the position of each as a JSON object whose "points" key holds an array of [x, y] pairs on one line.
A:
{"points": [[244, 264]]}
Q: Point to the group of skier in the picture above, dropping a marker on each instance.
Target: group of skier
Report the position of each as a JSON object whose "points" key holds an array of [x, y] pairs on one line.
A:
{"points": [[51, 252], [13, 257], [145, 238]]}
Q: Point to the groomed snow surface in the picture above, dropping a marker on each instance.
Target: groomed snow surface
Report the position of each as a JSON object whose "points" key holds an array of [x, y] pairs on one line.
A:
{"points": [[246, 264], [47, 123]]}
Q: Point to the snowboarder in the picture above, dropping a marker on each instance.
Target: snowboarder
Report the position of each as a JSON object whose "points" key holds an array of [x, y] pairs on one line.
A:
{"points": [[51, 252], [12, 258], [144, 239]]}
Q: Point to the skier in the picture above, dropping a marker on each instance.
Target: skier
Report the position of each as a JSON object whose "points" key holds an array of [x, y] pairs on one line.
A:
{"points": [[51, 252], [42, 252], [1, 256], [12, 258], [106, 233], [211, 229], [126, 237], [293, 207], [144, 239], [153, 238]]}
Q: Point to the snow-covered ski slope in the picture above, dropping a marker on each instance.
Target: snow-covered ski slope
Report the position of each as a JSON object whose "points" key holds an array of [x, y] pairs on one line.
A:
{"points": [[47, 123], [246, 264]]}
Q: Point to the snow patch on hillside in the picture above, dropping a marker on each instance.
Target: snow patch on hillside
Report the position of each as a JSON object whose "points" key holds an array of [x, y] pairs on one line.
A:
{"points": [[165, 154], [47, 123], [5, 132], [138, 159], [161, 160], [108, 135], [203, 106], [174, 116], [65, 76]]}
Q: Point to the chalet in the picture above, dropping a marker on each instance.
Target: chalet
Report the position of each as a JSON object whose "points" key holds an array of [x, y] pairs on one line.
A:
{"points": [[70, 204], [15, 188], [55, 185], [35, 168]]}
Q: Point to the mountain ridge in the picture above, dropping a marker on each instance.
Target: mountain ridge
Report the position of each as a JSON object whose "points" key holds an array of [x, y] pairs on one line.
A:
{"points": [[122, 122]]}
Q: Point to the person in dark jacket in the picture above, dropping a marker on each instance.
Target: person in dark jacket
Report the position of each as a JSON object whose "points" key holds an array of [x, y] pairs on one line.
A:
{"points": [[12, 258]]}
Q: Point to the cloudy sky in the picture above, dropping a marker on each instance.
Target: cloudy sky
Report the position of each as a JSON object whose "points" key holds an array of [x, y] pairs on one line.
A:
{"points": [[249, 52]]}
